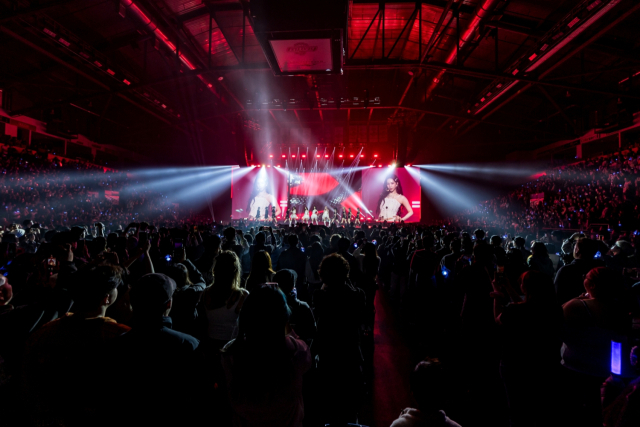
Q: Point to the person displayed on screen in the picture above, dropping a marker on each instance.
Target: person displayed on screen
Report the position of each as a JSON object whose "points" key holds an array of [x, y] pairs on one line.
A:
{"points": [[260, 198], [392, 201], [294, 217], [314, 216], [305, 216], [357, 219], [326, 219]]}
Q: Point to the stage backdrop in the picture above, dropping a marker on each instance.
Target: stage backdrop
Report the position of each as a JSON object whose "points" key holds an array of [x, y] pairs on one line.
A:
{"points": [[374, 187], [263, 186]]}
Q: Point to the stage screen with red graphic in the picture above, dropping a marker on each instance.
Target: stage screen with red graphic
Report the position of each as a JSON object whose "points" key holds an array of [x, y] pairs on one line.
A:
{"points": [[337, 190], [258, 188], [392, 193]]}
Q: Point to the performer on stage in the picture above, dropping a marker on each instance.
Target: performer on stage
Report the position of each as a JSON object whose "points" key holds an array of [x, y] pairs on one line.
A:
{"points": [[274, 217], [344, 216], [305, 216], [260, 198], [349, 217], [326, 219], [314, 216], [392, 201], [357, 221], [293, 217], [266, 214]]}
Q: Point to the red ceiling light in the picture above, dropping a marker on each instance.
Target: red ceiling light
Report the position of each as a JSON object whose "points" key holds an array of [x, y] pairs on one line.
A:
{"points": [[293, 156], [379, 166], [375, 155], [271, 156], [340, 156], [284, 156], [304, 155], [318, 156], [326, 156], [351, 156], [362, 156]]}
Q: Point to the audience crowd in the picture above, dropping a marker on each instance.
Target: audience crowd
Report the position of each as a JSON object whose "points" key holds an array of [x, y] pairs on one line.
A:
{"points": [[167, 323]]}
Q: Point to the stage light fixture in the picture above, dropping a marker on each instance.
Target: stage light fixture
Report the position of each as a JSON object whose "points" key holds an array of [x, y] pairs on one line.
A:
{"points": [[351, 156], [362, 156], [284, 156], [271, 156], [318, 155], [293, 156], [277, 166], [326, 156], [304, 156], [340, 156], [375, 155], [379, 166]]}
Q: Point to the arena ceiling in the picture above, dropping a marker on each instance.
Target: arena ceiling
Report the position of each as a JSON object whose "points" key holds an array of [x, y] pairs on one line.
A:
{"points": [[516, 72]]}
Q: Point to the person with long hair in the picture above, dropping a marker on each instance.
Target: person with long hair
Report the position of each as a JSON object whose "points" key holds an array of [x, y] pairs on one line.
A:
{"points": [[305, 216], [392, 201], [223, 299], [357, 219], [326, 219], [261, 270], [293, 217], [344, 216], [314, 216], [264, 365], [260, 198]]}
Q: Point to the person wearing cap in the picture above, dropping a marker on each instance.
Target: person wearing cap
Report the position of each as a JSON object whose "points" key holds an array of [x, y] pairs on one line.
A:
{"points": [[152, 359], [619, 256], [64, 360]]}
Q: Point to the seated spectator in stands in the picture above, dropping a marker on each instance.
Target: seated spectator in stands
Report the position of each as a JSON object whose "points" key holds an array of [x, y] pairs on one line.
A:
{"points": [[294, 259], [340, 311], [205, 263], [261, 270], [569, 281], [428, 385], [530, 345], [593, 320], [223, 300], [189, 288], [539, 260], [64, 360], [143, 354], [301, 320], [264, 365]]}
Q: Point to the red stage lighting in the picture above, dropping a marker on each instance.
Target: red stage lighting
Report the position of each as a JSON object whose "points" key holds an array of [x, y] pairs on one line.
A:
{"points": [[340, 156], [375, 155], [379, 166], [277, 166], [326, 156], [304, 155], [271, 156], [284, 156], [318, 155], [293, 156], [361, 156], [351, 156]]}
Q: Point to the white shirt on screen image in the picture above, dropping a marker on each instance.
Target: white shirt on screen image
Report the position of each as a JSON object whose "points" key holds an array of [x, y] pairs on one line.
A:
{"points": [[259, 202], [389, 208]]}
